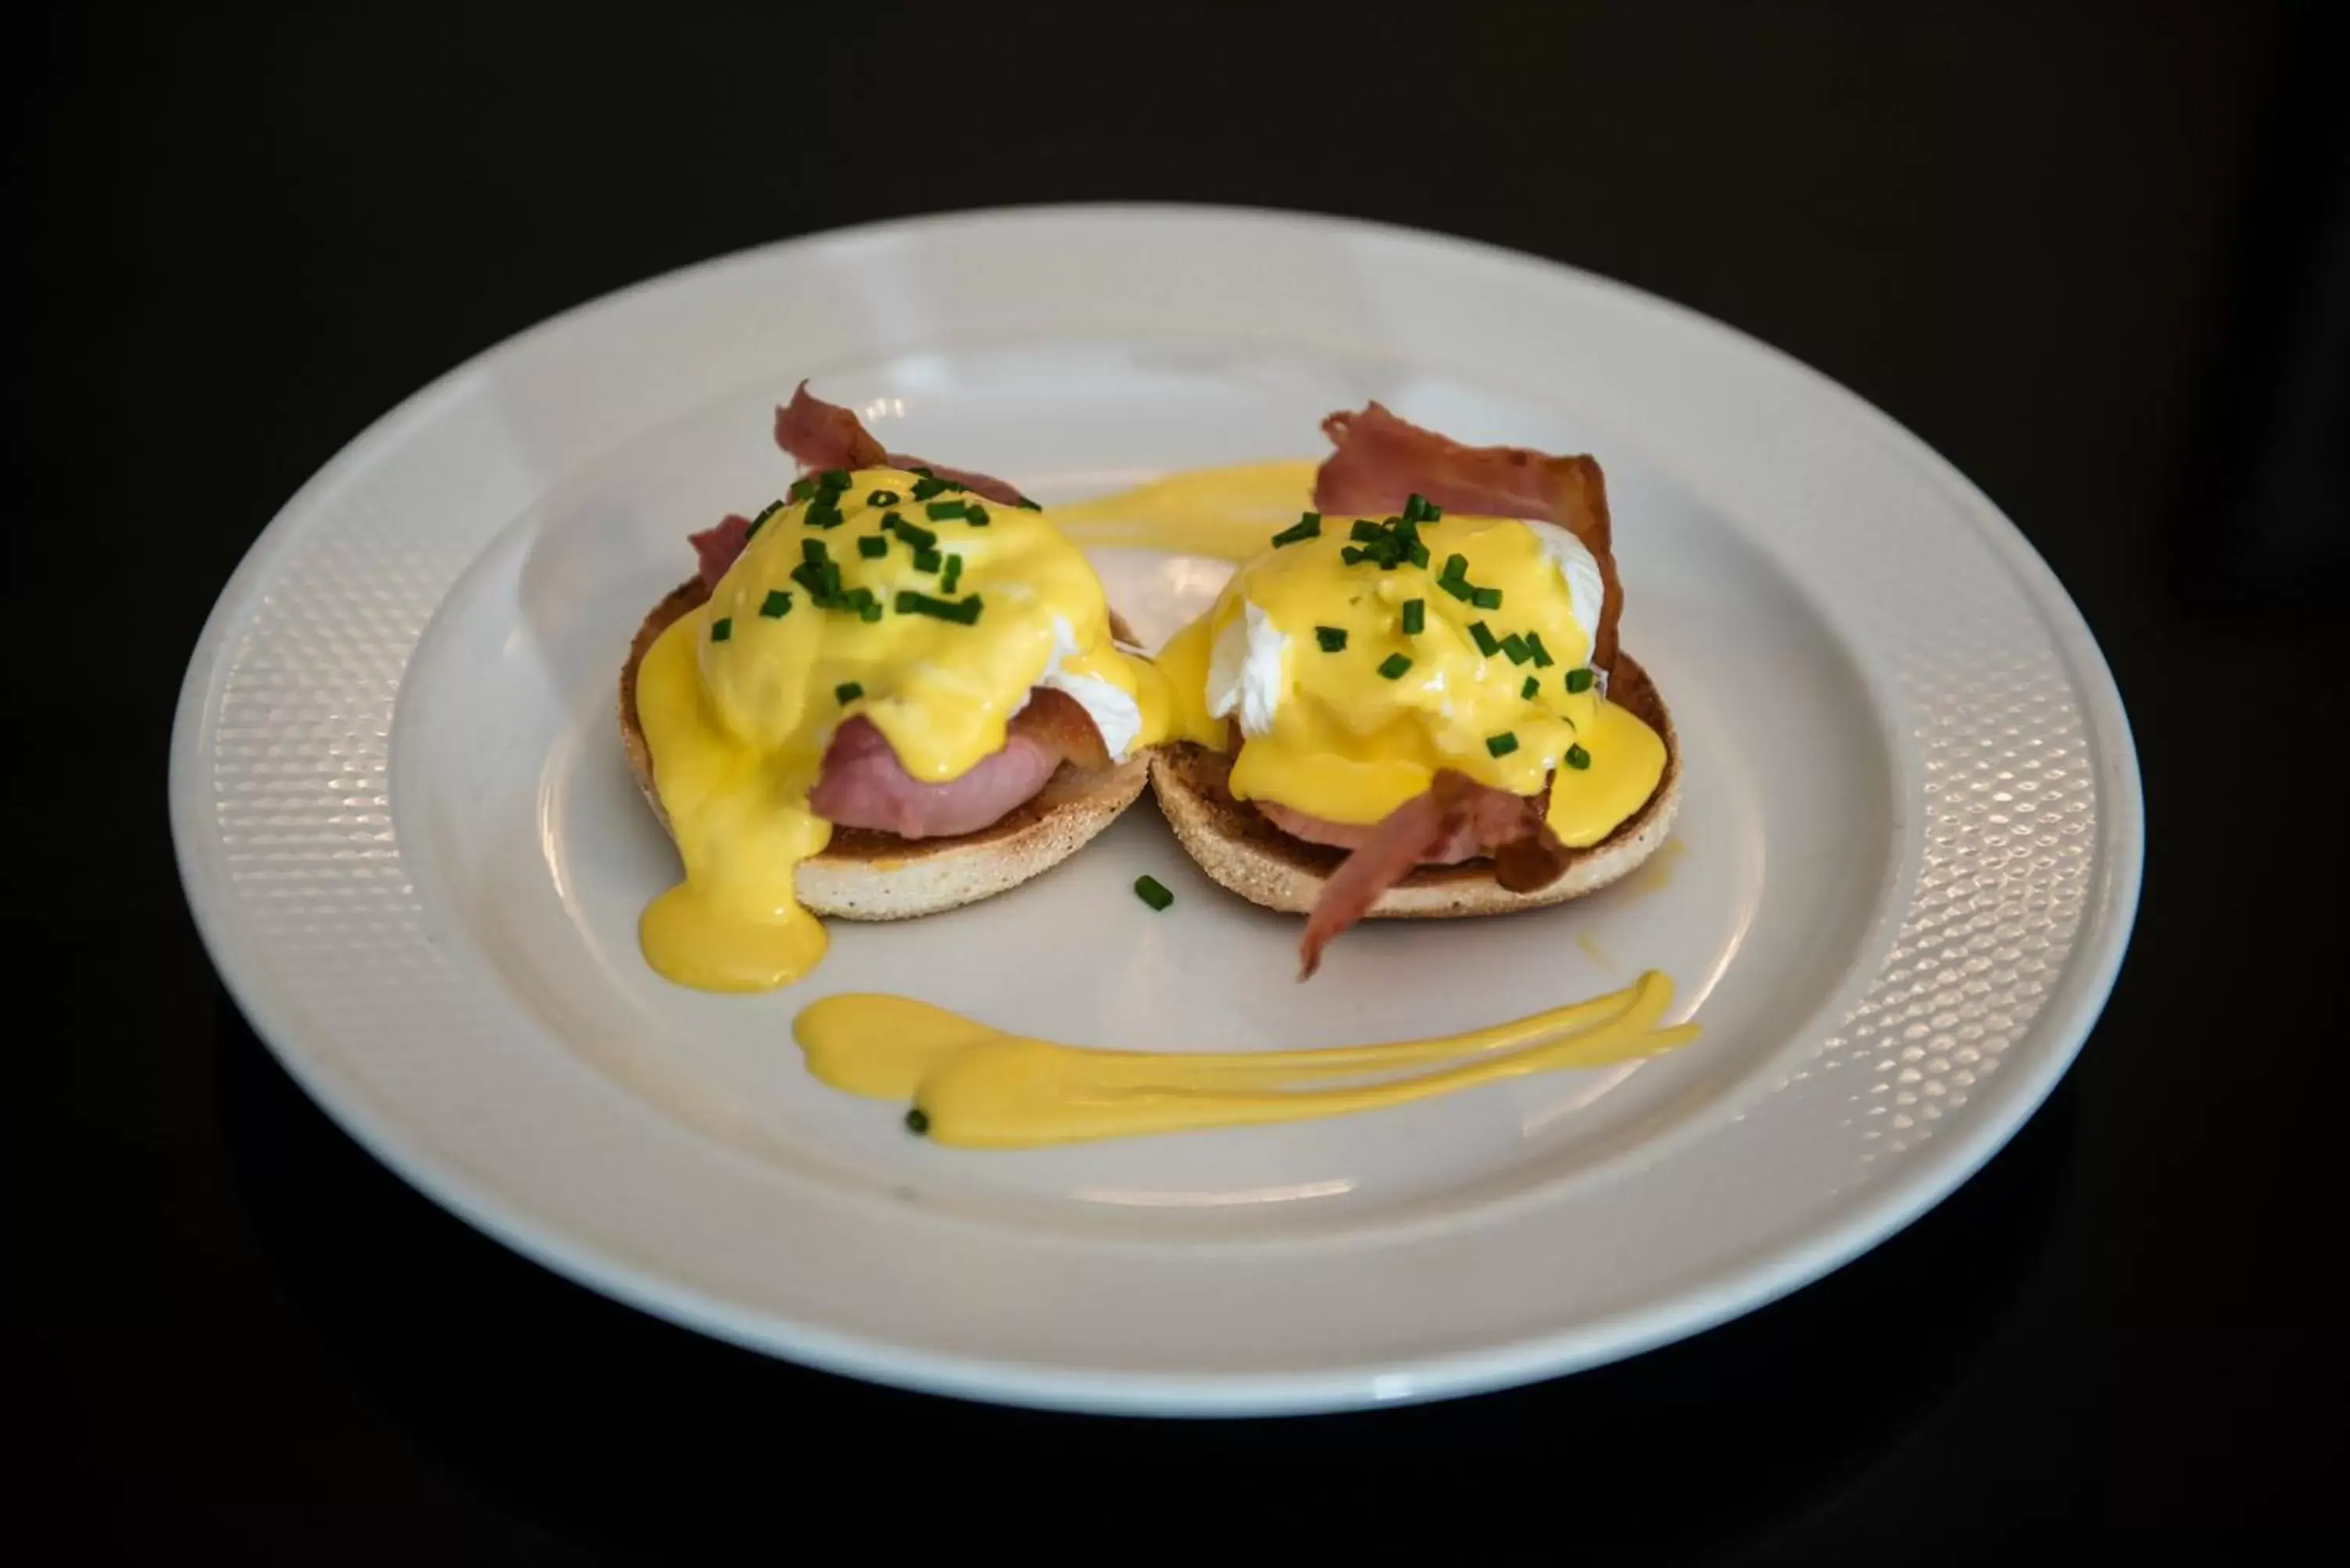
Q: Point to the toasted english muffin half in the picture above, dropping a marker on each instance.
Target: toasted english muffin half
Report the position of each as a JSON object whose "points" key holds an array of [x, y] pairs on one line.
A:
{"points": [[1240, 849], [863, 874]]}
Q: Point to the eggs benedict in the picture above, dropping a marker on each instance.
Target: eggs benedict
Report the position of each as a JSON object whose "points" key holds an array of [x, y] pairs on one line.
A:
{"points": [[1413, 703], [895, 691]]}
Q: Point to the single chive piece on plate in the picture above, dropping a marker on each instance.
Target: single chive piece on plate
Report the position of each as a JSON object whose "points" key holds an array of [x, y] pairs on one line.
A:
{"points": [[872, 546], [777, 605], [1153, 892], [1415, 617], [722, 628], [1529, 689], [1331, 638], [1394, 666], [1501, 745], [848, 691], [1578, 681], [1308, 526], [1576, 757], [918, 1122], [1487, 643]]}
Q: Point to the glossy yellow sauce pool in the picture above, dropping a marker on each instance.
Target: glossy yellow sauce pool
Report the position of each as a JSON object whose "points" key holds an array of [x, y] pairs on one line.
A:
{"points": [[977, 1087]]}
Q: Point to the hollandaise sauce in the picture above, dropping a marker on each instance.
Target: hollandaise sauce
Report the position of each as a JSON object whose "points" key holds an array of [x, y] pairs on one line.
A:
{"points": [[977, 1087], [884, 594], [1360, 655]]}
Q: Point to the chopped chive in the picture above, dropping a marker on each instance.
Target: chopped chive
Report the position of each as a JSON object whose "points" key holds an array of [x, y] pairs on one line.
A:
{"points": [[1366, 532], [1419, 554], [1501, 745], [1353, 554], [802, 488], [914, 533], [927, 561], [976, 515], [1530, 689], [769, 510], [953, 576], [777, 605], [1486, 598], [813, 550], [1515, 646], [722, 628], [1415, 617], [1420, 509], [848, 691], [822, 514], [917, 1122], [1576, 757], [1308, 526], [1457, 588], [1394, 665], [1332, 639], [834, 478], [1487, 643], [1578, 681], [939, 511], [1153, 892], [1543, 660], [870, 610], [925, 472], [872, 546], [929, 484], [962, 611], [1456, 569]]}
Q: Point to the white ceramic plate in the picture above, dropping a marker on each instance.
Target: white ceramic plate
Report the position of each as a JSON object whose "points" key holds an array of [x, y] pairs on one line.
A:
{"points": [[1901, 886]]}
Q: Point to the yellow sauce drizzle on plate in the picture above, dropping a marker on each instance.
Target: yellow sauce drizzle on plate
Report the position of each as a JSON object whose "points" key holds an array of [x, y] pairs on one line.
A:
{"points": [[977, 1087]]}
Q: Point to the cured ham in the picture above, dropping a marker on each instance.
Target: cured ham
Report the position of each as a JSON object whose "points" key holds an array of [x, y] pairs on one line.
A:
{"points": [[1455, 811], [863, 784]]}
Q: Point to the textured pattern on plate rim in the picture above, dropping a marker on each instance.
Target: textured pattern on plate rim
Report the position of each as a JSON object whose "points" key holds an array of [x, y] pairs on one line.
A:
{"points": [[290, 727]]}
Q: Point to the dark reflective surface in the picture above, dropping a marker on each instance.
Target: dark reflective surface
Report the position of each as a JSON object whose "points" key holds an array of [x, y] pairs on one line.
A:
{"points": [[2081, 248]]}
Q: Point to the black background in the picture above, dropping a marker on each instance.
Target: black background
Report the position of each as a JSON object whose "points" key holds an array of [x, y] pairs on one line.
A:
{"points": [[2081, 248]]}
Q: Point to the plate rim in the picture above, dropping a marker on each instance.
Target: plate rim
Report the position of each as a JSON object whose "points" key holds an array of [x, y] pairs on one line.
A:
{"points": [[2065, 1017]]}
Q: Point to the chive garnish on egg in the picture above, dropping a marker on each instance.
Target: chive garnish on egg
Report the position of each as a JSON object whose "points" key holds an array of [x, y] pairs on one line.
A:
{"points": [[1529, 689], [1487, 643], [1578, 681], [777, 605], [940, 511], [1332, 639], [769, 510], [872, 546], [976, 515], [722, 628], [1515, 646], [1543, 659], [813, 552], [1308, 526], [965, 612], [1366, 532], [848, 691], [1576, 757], [1394, 666], [929, 484], [1415, 617], [1485, 598], [1501, 745], [802, 488], [953, 576], [834, 478], [928, 561]]}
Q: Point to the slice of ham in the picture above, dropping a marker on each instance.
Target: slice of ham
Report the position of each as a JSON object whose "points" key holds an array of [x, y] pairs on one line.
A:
{"points": [[863, 784], [825, 435], [1382, 460], [822, 435], [1455, 812]]}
